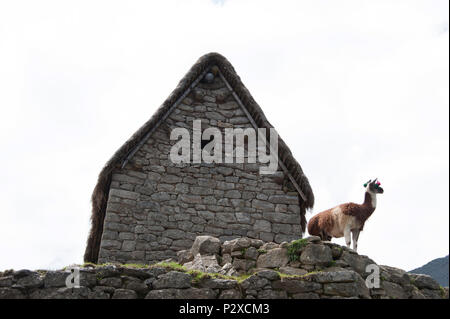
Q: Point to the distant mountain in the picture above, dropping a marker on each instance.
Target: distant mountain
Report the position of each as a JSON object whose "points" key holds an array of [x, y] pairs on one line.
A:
{"points": [[437, 268]]}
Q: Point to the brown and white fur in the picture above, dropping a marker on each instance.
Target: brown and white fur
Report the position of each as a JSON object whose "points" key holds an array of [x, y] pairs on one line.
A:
{"points": [[346, 218]]}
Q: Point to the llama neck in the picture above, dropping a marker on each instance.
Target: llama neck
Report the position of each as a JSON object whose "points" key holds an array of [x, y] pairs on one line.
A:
{"points": [[370, 200]]}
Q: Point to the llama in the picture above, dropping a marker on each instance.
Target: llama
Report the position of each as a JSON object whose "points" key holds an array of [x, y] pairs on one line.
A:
{"points": [[345, 218]]}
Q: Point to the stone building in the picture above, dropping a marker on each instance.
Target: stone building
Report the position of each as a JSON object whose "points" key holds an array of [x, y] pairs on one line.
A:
{"points": [[145, 208]]}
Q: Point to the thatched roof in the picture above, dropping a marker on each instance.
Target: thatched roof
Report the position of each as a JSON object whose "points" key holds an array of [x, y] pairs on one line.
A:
{"points": [[101, 191]]}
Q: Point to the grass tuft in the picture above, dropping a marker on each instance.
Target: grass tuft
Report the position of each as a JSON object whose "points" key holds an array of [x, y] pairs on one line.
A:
{"points": [[295, 248], [442, 291], [172, 265]]}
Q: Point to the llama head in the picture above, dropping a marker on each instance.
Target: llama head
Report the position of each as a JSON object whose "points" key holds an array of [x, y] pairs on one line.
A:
{"points": [[374, 187]]}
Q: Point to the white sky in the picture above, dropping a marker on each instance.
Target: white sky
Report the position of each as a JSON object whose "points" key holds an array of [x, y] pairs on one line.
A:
{"points": [[357, 89]]}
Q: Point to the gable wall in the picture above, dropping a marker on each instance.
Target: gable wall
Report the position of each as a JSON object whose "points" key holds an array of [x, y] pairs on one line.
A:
{"points": [[156, 208]]}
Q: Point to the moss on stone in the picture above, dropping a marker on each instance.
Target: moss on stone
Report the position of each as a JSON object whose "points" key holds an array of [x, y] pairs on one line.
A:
{"points": [[198, 275], [171, 265], [138, 266], [295, 247], [443, 293]]}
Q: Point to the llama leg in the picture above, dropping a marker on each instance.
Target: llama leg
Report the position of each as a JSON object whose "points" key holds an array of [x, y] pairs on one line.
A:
{"points": [[322, 235], [347, 236], [325, 236], [355, 235]]}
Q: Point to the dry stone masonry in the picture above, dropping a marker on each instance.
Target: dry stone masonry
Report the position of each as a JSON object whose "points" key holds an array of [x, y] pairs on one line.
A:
{"points": [[240, 268], [156, 208]]}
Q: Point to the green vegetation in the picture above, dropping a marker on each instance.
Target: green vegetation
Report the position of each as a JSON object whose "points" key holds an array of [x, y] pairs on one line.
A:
{"points": [[91, 265], [241, 278], [442, 291], [262, 251], [171, 265], [332, 263], [139, 266], [297, 276], [199, 275], [288, 276], [311, 273], [295, 248]]}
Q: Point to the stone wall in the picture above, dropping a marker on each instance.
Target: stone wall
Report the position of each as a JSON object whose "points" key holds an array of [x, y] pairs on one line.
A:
{"points": [[157, 208], [322, 270]]}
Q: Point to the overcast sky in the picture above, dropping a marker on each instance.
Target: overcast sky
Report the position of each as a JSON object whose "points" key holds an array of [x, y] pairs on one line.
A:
{"points": [[357, 89]]}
